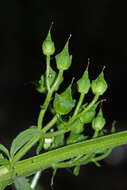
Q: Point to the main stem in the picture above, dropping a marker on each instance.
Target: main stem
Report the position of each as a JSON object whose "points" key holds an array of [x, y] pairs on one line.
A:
{"points": [[46, 160]]}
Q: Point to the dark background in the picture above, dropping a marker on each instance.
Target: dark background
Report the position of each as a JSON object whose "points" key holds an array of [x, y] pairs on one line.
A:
{"points": [[98, 31]]}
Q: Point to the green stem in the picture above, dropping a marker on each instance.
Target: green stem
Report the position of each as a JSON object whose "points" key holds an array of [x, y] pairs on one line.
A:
{"points": [[85, 110], [50, 124], [57, 81], [89, 106], [47, 72], [95, 133], [79, 104], [43, 110], [62, 131], [35, 179], [46, 160], [98, 158]]}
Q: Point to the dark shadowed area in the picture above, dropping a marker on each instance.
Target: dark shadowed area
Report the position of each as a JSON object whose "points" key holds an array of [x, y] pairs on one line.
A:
{"points": [[99, 31]]}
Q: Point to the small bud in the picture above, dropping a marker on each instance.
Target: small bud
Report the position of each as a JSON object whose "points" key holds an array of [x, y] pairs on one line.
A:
{"points": [[64, 103], [99, 121], [48, 47], [63, 59], [99, 85]]}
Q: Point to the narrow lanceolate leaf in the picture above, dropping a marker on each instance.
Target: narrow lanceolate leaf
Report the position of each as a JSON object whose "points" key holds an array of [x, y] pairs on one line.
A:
{"points": [[22, 184], [76, 170], [3, 161], [1, 156], [22, 139], [4, 149]]}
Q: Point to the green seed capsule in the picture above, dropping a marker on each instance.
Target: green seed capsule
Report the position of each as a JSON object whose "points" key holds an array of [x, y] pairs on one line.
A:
{"points": [[99, 85], [98, 122], [78, 128], [84, 83], [88, 116], [48, 47], [63, 59], [64, 103]]}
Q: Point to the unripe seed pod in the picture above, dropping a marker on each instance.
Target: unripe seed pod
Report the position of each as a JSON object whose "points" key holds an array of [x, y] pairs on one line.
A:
{"points": [[63, 59], [84, 82], [99, 85], [48, 47], [99, 121], [79, 127], [63, 103], [88, 116]]}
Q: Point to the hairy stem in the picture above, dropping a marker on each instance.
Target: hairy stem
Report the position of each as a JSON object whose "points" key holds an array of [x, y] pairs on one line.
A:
{"points": [[46, 160]]}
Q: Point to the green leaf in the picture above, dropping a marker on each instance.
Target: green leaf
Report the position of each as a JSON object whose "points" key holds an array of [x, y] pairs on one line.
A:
{"points": [[22, 184], [64, 103], [4, 161], [41, 85], [4, 184], [22, 139], [1, 156], [4, 149], [76, 170]]}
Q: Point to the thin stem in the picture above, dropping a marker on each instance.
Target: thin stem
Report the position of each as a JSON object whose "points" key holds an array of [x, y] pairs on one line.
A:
{"points": [[95, 133], [62, 131], [50, 124], [79, 104], [103, 155], [57, 81], [47, 72], [89, 106], [35, 179], [85, 110], [43, 110]]}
